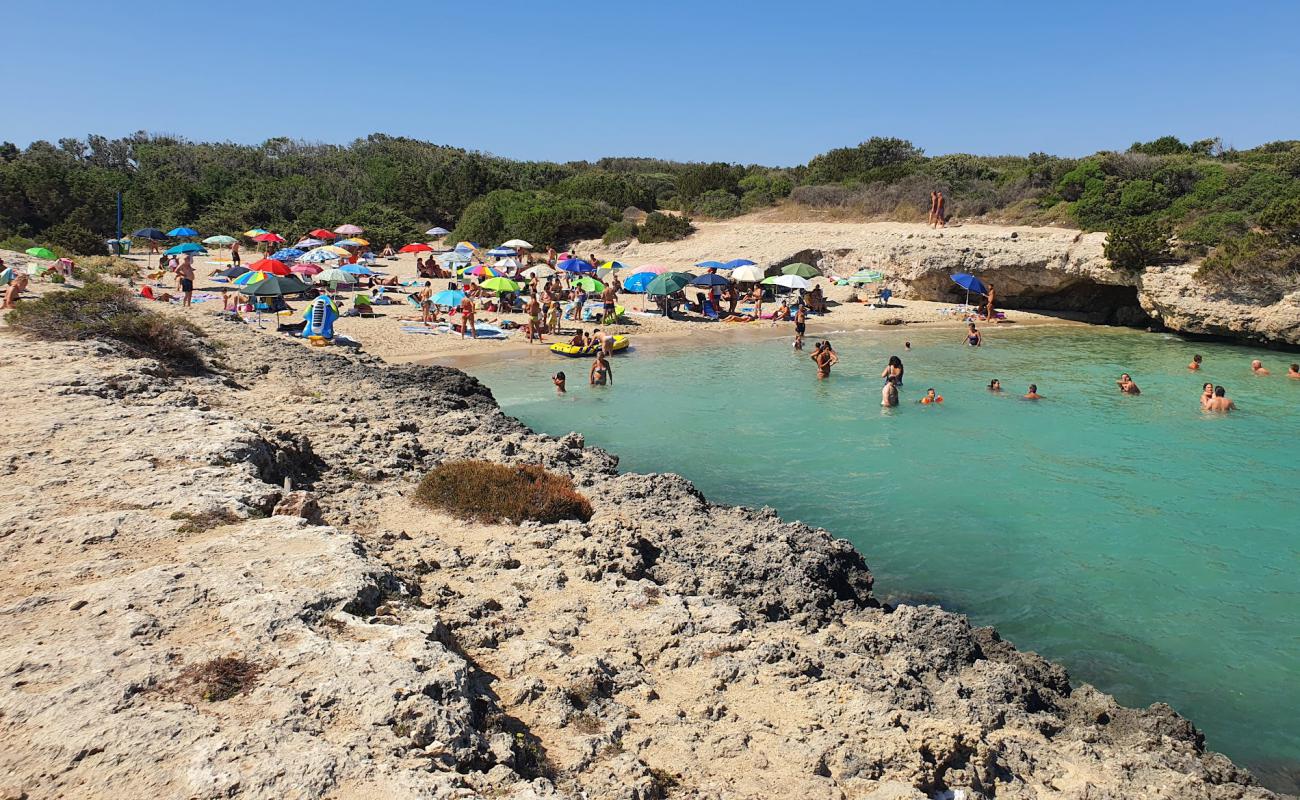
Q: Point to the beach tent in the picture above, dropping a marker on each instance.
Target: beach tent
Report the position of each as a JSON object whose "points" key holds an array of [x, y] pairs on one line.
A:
{"points": [[970, 283]]}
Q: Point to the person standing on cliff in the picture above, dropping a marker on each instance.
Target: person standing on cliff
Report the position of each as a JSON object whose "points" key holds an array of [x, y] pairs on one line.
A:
{"points": [[991, 315], [934, 202], [940, 215]]}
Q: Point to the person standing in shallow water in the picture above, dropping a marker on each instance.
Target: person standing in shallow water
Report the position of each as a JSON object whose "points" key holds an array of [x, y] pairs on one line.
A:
{"points": [[1033, 394], [1220, 402], [825, 358], [601, 371], [889, 394]]}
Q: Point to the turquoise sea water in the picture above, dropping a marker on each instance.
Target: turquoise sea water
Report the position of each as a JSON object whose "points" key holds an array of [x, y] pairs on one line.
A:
{"points": [[1151, 548]]}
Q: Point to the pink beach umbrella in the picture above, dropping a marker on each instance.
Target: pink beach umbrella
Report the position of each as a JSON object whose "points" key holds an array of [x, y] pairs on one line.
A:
{"points": [[349, 230], [658, 270], [305, 269]]}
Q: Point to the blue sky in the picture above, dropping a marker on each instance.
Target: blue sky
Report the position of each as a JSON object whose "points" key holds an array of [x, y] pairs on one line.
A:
{"points": [[750, 82]]}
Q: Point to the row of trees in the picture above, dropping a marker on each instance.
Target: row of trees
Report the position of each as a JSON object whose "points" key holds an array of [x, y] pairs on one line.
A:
{"points": [[1235, 206]]}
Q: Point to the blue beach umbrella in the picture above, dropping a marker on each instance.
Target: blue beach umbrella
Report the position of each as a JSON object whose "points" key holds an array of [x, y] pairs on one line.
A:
{"points": [[970, 283], [710, 279], [636, 283], [739, 262], [576, 265], [711, 264], [448, 298], [437, 231], [174, 232], [501, 252], [150, 233], [357, 269], [188, 247], [288, 254]]}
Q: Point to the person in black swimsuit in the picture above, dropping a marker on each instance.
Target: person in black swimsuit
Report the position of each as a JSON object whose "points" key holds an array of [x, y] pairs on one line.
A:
{"points": [[973, 337], [800, 325]]}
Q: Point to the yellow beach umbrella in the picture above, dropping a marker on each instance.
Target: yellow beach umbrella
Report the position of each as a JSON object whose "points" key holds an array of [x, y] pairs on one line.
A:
{"points": [[338, 251]]}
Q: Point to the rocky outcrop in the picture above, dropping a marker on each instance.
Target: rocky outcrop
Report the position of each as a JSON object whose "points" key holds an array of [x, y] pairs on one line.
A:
{"points": [[669, 647]]}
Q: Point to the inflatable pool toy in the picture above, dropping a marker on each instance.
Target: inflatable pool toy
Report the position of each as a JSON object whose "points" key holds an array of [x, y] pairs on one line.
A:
{"points": [[320, 316], [573, 351]]}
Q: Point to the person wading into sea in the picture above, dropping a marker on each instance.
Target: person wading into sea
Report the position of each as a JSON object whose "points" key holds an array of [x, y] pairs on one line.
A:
{"points": [[824, 357]]}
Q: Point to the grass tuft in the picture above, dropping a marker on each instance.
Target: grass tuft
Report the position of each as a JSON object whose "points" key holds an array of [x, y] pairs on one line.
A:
{"points": [[221, 678], [492, 492]]}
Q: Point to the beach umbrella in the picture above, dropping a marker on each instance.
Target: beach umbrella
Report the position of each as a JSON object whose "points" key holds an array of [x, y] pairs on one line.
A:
{"points": [[540, 271], [221, 240], [739, 262], [970, 283], [800, 269], [40, 252], [576, 265], [329, 248], [350, 243], [288, 254], [273, 238], [508, 263], [150, 233], [349, 230], [418, 247], [306, 269], [182, 249], [637, 283], [448, 298], [176, 232], [749, 273], [271, 265], [866, 276], [788, 281], [233, 272], [710, 279], [250, 277], [319, 256], [273, 285], [437, 231], [711, 264], [321, 233], [333, 275], [654, 269], [611, 266], [251, 232], [668, 283], [501, 252], [590, 284], [517, 244], [466, 245], [452, 258], [484, 271], [308, 243], [500, 285], [357, 269]]}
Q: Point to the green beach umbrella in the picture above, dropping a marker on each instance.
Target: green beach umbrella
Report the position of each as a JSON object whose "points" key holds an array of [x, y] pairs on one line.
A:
{"points": [[220, 240], [590, 284], [668, 283], [274, 285], [41, 252], [800, 269], [866, 276], [500, 285]]}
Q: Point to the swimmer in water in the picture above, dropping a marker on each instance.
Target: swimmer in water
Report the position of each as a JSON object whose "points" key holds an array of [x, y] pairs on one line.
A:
{"points": [[1196, 362], [558, 380], [973, 337], [1220, 402], [907, 345], [825, 358], [1257, 367], [894, 370], [889, 394], [930, 398], [1207, 394], [1033, 394], [1294, 372], [1126, 385], [995, 385]]}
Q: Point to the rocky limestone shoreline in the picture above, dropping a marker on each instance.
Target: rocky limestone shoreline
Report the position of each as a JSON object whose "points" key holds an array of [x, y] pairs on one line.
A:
{"points": [[670, 647]]}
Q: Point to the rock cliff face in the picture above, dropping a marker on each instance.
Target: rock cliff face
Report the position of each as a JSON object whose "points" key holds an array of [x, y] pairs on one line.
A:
{"points": [[669, 647]]}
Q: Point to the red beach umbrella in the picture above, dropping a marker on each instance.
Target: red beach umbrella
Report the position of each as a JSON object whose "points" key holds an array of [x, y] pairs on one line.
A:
{"points": [[321, 233], [418, 247], [270, 265], [269, 237]]}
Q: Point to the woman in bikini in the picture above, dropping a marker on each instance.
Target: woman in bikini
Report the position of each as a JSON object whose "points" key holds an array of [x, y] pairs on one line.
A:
{"points": [[601, 371]]}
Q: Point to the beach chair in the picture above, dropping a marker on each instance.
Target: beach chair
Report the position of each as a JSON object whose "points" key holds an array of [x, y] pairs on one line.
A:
{"points": [[708, 311]]}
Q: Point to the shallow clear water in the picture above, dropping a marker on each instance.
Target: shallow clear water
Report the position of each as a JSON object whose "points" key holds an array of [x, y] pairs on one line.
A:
{"points": [[1150, 547]]}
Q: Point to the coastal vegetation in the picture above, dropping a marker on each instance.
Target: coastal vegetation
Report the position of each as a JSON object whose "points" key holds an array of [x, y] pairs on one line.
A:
{"points": [[1234, 209], [104, 311], [492, 492]]}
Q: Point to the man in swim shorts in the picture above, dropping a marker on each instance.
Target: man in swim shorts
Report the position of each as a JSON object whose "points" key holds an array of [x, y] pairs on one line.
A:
{"points": [[185, 272], [889, 394], [800, 325]]}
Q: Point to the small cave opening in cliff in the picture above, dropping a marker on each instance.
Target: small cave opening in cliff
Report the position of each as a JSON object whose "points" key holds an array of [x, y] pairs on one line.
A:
{"points": [[1083, 300]]}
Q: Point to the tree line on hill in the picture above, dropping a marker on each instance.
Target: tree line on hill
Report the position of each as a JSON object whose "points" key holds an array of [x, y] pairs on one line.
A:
{"points": [[1236, 210]]}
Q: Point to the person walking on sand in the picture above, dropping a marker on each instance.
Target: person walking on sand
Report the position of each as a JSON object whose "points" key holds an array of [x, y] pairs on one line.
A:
{"points": [[1196, 363], [185, 275], [1126, 385], [467, 318], [800, 325], [1257, 367], [1220, 402]]}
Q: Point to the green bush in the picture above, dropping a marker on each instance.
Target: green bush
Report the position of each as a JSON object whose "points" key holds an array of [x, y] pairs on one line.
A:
{"points": [[493, 492], [620, 232], [75, 239], [659, 227], [16, 243], [1137, 244], [716, 203], [542, 218], [104, 311]]}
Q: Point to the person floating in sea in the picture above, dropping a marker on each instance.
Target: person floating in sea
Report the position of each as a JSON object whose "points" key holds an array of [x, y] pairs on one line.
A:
{"points": [[558, 380], [1220, 402], [1257, 367], [995, 385], [889, 393], [894, 370], [1207, 394], [907, 345], [931, 398], [601, 371], [1294, 372], [800, 325], [973, 337], [1126, 385], [1033, 394], [1196, 363], [824, 357]]}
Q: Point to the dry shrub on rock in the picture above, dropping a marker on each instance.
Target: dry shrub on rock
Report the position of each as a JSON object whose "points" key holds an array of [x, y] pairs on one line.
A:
{"points": [[491, 492], [221, 678]]}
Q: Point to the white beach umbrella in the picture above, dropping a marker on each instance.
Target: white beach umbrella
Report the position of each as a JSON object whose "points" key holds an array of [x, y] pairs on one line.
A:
{"points": [[747, 274], [508, 263], [789, 282], [439, 232], [540, 271], [517, 243]]}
